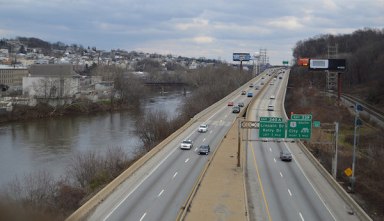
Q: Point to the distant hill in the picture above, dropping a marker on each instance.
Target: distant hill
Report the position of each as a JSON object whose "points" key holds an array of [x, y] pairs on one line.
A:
{"points": [[364, 52]]}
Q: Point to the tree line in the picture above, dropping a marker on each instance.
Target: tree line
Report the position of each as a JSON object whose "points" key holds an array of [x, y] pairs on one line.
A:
{"points": [[364, 54]]}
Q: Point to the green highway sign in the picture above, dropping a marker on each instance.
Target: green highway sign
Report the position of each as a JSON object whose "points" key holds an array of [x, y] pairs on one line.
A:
{"points": [[301, 117], [285, 62], [299, 129], [316, 123], [271, 119], [272, 129]]}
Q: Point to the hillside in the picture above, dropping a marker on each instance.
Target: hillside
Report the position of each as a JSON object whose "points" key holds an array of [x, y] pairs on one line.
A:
{"points": [[364, 53]]}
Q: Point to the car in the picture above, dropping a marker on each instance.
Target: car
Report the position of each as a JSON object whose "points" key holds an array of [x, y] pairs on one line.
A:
{"points": [[186, 144], [262, 83], [203, 128], [251, 85], [240, 104], [243, 93], [262, 77], [204, 149], [271, 83], [236, 109], [272, 97], [271, 107], [257, 88], [285, 155], [230, 103], [280, 77], [250, 94]]}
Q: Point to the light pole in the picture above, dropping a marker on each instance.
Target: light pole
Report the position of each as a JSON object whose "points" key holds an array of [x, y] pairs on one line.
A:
{"points": [[358, 108]]}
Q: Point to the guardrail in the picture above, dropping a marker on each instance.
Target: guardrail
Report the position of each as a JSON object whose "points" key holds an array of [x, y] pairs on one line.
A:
{"points": [[84, 210], [336, 186]]}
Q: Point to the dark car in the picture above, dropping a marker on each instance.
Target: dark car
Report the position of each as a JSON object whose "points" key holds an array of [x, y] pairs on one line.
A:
{"points": [[250, 94], [204, 149], [243, 93], [285, 155], [240, 104], [236, 109]]}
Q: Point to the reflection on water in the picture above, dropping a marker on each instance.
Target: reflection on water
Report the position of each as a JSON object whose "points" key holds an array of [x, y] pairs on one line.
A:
{"points": [[49, 144]]}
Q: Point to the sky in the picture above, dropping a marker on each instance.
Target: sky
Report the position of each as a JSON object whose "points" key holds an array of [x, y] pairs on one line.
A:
{"points": [[212, 29]]}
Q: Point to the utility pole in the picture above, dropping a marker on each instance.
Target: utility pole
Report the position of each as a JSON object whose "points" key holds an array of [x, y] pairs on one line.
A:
{"points": [[334, 160], [358, 108]]}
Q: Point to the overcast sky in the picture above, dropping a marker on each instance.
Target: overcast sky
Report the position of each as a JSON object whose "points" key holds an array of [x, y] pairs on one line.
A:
{"points": [[193, 28]]}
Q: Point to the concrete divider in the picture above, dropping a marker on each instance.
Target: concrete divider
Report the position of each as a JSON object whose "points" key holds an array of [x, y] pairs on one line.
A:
{"points": [[84, 210]]}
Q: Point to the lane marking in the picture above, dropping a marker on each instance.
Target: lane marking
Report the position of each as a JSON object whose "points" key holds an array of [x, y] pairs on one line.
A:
{"points": [[310, 183], [210, 131], [261, 185], [301, 216], [174, 175], [186, 160], [161, 192], [142, 217], [270, 149], [289, 191], [203, 139], [274, 159], [281, 175], [196, 149], [139, 184]]}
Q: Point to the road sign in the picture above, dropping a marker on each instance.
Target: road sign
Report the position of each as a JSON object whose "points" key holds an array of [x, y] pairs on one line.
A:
{"points": [[301, 117], [285, 62], [316, 123], [271, 119], [300, 126], [272, 129], [348, 171], [249, 124]]}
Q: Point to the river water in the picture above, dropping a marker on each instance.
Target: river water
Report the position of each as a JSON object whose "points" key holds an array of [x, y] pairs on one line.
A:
{"points": [[49, 144]]}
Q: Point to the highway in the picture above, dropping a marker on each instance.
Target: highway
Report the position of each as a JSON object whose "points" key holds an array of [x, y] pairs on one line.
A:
{"points": [[158, 189], [278, 190]]}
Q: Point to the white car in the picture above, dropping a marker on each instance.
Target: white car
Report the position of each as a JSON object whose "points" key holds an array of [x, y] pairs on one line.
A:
{"points": [[272, 97], [203, 128], [186, 144], [271, 107]]}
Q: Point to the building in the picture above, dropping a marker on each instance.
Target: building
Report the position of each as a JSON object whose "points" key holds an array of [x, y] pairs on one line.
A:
{"points": [[12, 76], [49, 81]]}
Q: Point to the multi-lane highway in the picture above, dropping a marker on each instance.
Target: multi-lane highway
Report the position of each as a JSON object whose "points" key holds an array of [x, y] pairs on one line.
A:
{"points": [[280, 187], [158, 189], [276, 190]]}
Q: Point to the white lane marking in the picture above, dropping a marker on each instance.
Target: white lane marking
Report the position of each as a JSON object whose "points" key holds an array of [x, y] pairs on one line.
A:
{"points": [[281, 175], [210, 132], [270, 149], [310, 183], [141, 182], [161, 192], [186, 160], [289, 191], [174, 175], [203, 139], [301, 216], [142, 217], [274, 159], [196, 149]]}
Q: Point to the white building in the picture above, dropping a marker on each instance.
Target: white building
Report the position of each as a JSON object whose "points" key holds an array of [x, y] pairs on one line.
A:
{"points": [[49, 81]]}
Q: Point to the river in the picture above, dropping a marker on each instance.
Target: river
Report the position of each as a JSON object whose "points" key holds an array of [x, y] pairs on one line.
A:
{"points": [[49, 144]]}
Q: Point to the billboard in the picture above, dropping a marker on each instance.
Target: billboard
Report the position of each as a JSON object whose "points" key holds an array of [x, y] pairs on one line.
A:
{"points": [[303, 61], [327, 64], [241, 57]]}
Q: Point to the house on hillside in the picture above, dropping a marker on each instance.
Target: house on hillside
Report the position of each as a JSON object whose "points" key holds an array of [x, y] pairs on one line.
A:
{"points": [[51, 82]]}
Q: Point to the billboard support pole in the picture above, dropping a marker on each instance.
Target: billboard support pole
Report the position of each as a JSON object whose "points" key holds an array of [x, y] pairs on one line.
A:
{"points": [[338, 87]]}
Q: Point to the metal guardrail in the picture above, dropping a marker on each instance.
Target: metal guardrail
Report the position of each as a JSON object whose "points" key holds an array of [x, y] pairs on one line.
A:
{"points": [[335, 185]]}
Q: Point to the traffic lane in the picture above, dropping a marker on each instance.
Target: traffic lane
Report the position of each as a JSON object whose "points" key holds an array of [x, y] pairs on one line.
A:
{"points": [[308, 199], [277, 195], [148, 191]]}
